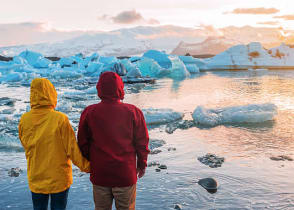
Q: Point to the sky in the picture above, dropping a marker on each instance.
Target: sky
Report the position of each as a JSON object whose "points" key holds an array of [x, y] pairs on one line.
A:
{"points": [[31, 21], [108, 15]]}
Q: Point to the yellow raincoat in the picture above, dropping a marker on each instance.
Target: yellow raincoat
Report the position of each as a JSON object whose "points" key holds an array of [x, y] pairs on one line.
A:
{"points": [[49, 142]]}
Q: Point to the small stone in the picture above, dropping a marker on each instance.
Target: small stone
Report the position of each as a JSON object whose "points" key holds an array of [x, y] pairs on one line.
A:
{"points": [[171, 149], [170, 128], [14, 172], [162, 167], [178, 207], [153, 163], [157, 170], [155, 151]]}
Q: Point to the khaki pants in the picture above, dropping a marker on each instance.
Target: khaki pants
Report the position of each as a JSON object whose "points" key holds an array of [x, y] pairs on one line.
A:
{"points": [[124, 197]]}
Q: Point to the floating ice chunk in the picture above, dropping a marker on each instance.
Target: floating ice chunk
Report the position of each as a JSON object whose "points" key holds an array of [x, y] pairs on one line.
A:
{"points": [[86, 61], [12, 77], [19, 60], [5, 118], [134, 73], [94, 68], [66, 61], [148, 67], [91, 90], [161, 58], [128, 65], [254, 113], [65, 74], [7, 111], [179, 70], [161, 116], [191, 62], [35, 59], [64, 107], [73, 93], [192, 68], [108, 60]]}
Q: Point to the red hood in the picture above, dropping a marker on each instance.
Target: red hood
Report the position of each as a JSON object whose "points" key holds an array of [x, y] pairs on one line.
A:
{"points": [[110, 86]]}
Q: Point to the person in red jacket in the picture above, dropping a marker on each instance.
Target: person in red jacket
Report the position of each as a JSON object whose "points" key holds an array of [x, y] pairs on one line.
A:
{"points": [[113, 136]]}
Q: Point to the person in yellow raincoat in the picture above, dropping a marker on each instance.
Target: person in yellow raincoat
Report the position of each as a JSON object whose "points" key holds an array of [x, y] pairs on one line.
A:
{"points": [[50, 146]]}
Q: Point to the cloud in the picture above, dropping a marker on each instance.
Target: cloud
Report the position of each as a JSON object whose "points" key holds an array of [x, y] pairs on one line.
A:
{"points": [[269, 23], [254, 11], [31, 33], [285, 17], [128, 17]]}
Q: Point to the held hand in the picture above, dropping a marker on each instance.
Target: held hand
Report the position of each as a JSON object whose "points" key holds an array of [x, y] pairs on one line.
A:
{"points": [[140, 172]]}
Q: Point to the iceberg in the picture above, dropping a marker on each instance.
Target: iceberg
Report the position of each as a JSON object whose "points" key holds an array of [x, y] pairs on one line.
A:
{"points": [[148, 67], [91, 90], [161, 58], [253, 113], [161, 116], [134, 73], [94, 68], [108, 60], [66, 61], [35, 59], [192, 64], [178, 70]]}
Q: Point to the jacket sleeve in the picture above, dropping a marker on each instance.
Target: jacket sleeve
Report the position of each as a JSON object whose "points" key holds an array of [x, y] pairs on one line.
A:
{"points": [[141, 139], [20, 133], [84, 135], [72, 148]]}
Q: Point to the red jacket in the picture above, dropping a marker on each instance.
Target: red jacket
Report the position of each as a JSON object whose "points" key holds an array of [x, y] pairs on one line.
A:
{"points": [[112, 134]]}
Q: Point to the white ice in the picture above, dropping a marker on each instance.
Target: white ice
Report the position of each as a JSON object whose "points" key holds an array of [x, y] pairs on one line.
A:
{"points": [[161, 116], [253, 113]]}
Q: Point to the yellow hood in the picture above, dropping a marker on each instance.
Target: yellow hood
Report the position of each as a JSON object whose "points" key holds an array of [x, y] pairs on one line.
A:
{"points": [[43, 94]]}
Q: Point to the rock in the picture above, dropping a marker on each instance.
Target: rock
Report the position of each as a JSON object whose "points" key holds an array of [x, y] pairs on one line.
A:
{"points": [[170, 128], [209, 184], [211, 160], [155, 151], [14, 172], [184, 124], [162, 166], [281, 158], [178, 206], [153, 163], [157, 170], [155, 143]]}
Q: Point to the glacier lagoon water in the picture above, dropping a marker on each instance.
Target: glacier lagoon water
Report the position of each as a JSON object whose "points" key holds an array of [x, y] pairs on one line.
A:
{"points": [[248, 179]]}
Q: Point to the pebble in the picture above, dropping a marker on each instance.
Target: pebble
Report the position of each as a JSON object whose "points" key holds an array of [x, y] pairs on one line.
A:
{"points": [[155, 143], [178, 206], [153, 163], [184, 124], [157, 170], [211, 160], [14, 172], [281, 158], [155, 151], [171, 149], [162, 166]]}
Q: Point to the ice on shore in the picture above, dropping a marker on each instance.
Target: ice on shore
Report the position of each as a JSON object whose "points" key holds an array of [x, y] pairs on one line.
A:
{"points": [[253, 113], [252, 55], [161, 116]]}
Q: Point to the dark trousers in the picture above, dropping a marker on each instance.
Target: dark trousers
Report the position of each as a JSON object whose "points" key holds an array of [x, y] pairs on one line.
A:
{"points": [[58, 200]]}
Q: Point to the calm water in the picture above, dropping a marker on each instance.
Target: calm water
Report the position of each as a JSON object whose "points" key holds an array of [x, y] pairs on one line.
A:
{"points": [[248, 179]]}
